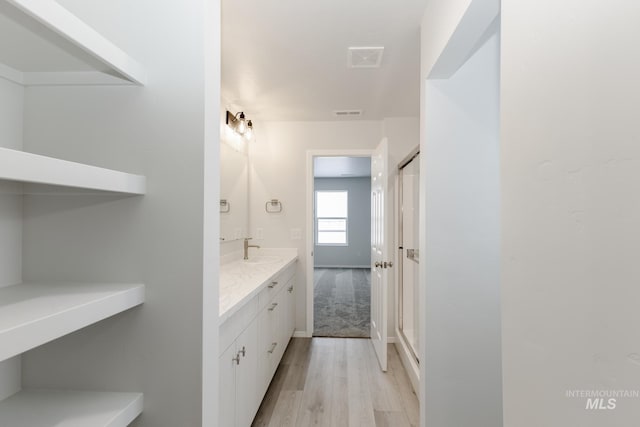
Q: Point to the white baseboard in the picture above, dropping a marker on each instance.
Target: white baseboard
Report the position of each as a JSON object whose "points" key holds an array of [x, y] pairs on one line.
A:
{"points": [[303, 334], [409, 363]]}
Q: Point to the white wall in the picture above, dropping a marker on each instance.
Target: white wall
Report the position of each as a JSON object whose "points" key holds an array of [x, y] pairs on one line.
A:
{"points": [[278, 163], [403, 134], [460, 250], [11, 106], [358, 251], [234, 182], [570, 168], [159, 131], [211, 215], [278, 158], [234, 188], [440, 21]]}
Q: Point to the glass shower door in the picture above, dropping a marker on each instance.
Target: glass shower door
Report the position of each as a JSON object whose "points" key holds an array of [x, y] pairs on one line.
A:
{"points": [[409, 281]]}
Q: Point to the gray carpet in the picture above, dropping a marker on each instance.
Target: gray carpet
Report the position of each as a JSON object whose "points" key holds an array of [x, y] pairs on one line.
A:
{"points": [[342, 302]]}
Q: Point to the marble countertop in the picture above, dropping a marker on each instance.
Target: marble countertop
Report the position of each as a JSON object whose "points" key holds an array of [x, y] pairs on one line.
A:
{"points": [[242, 280]]}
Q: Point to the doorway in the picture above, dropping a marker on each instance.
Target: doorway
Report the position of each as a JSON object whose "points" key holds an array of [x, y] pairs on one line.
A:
{"points": [[341, 246], [380, 264]]}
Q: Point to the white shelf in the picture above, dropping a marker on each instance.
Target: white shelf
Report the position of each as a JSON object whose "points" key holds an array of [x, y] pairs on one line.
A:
{"points": [[51, 46], [49, 408], [25, 167], [34, 314]]}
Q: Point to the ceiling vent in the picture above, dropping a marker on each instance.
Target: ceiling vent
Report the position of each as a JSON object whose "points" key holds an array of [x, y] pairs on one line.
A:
{"points": [[347, 113], [364, 57]]}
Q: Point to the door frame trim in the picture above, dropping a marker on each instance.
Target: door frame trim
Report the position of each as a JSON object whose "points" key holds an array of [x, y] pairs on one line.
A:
{"points": [[310, 225]]}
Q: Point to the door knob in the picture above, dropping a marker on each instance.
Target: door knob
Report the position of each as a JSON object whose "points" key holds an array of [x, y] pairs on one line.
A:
{"points": [[387, 264], [378, 264]]}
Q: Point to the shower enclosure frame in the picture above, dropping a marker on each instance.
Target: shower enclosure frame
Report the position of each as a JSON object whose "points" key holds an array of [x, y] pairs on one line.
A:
{"points": [[400, 244]]}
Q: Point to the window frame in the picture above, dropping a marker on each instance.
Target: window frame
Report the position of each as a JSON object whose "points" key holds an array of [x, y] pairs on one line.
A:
{"points": [[318, 218]]}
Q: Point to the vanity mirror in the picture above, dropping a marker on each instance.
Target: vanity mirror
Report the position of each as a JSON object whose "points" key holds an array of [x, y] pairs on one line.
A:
{"points": [[234, 188]]}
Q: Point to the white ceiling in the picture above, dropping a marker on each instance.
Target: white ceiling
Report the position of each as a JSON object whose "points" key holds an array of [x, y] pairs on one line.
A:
{"points": [[341, 167], [287, 59]]}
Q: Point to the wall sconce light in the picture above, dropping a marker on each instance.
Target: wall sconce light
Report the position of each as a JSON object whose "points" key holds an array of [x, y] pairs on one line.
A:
{"points": [[240, 124]]}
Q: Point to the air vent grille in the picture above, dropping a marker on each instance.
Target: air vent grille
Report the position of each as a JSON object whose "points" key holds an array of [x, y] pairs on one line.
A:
{"points": [[364, 57], [347, 113]]}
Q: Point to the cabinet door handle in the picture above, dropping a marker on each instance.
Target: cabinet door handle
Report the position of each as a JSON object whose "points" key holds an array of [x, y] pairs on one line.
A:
{"points": [[243, 351], [236, 359], [273, 306], [290, 289], [273, 285], [273, 347]]}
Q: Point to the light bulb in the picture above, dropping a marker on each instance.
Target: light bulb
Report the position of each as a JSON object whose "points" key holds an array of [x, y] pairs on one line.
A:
{"points": [[241, 127], [249, 132]]}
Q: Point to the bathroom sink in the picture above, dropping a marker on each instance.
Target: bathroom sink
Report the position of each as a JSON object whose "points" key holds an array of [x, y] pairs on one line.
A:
{"points": [[263, 259]]}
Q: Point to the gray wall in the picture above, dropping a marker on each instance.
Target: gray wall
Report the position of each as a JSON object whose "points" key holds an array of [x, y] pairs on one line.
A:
{"points": [[358, 252], [157, 239], [11, 106], [461, 182]]}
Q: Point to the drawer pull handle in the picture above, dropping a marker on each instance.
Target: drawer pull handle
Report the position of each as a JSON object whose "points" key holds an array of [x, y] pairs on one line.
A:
{"points": [[273, 347], [290, 289], [243, 351], [273, 285], [236, 359], [273, 306]]}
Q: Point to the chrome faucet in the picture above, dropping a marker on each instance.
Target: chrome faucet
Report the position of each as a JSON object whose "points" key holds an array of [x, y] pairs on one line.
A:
{"points": [[247, 246]]}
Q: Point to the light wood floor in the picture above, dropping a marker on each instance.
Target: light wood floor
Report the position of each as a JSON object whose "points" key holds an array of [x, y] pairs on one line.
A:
{"points": [[338, 382]]}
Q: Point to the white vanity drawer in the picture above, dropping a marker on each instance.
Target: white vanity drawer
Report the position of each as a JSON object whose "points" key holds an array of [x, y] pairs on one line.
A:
{"points": [[276, 285], [287, 274], [237, 323]]}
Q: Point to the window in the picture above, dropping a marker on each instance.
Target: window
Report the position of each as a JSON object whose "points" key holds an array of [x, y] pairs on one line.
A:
{"points": [[331, 218]]}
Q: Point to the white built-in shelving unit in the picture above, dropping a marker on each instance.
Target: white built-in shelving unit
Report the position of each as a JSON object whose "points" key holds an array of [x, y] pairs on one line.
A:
{"points": [[51, 46], [39, 408], [30, 168], [34, 314]]}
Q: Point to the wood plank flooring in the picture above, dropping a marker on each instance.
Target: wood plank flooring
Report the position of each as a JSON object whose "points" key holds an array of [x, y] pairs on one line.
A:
{"points": [[335, 382]]}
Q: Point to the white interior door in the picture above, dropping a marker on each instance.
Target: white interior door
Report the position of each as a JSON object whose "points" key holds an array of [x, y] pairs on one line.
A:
{"points": [[380, 254]]}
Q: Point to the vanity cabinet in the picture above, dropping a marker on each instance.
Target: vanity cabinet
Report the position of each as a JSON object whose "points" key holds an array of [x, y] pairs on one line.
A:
{"points": [[290, 313], [270, 342], [253, 341], [238, 371]]}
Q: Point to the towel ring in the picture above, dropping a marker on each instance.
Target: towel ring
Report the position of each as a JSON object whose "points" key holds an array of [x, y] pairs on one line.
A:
{"points": [[273, 206]]}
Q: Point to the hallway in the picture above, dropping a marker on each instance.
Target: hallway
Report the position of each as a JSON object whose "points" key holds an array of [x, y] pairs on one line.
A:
{"points": [[337, 382]]}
